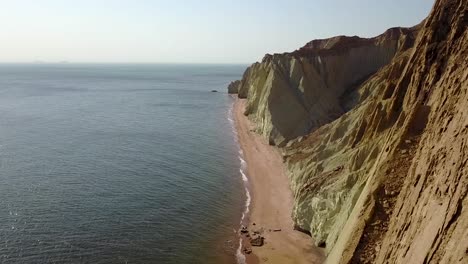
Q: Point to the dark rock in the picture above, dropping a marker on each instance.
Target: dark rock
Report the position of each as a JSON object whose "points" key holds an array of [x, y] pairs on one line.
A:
{"points": [[322, 244], [338, 168], [257, 241], [247, 250], [244, 230], [233, 87]]}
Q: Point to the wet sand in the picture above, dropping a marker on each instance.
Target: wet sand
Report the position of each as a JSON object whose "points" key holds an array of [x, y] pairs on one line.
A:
{"points": [[272, 201]]}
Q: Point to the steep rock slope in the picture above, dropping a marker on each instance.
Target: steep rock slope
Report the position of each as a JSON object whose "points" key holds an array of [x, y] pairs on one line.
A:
{"points": [[410, 137], [291, 94], [233, 87], [430, 220], [383, 176], [329, 168]]}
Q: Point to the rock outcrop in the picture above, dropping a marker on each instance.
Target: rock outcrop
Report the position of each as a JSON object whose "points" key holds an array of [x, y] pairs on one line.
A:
{"points": [[374, 133], [233, 87], [291, 94]]}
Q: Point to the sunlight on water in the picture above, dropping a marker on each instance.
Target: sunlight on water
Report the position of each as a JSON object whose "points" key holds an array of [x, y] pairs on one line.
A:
{"points": [[118, 163]]}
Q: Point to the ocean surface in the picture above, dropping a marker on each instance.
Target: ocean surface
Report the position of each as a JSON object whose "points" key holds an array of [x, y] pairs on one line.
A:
{"points": [[118, 164]]}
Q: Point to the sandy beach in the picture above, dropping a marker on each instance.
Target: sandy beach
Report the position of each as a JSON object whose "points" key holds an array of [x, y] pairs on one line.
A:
{"points": [[272, 201]]}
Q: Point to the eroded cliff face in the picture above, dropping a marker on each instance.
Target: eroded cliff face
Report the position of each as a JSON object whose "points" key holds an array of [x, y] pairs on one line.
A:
{"points": [[233, 87], [291, 94], [330, 167], [374, 133]]}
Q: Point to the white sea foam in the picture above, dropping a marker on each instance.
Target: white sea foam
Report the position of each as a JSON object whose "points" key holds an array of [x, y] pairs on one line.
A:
{"points": [[244, 177], [243, 169], [247, 202], [239, 255], [243, 164]]}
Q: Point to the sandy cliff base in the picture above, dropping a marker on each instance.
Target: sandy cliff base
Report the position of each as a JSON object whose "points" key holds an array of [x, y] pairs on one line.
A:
{"points": [[272, 201]]}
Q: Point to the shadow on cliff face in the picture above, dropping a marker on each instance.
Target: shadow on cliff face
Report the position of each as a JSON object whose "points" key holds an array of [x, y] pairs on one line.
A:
{"points": [[289, 116], [419, 120]]}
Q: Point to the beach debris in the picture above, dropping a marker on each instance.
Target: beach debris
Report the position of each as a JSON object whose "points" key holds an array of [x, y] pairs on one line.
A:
{"points": [[244, 230], [247, 250], [277, 230], [257, 241], [253, 223]]}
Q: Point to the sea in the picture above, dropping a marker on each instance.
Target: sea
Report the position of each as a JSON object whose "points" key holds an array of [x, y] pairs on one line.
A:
{"points": [[119, 163]]}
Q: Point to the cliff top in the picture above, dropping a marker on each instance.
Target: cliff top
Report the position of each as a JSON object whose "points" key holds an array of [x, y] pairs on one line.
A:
{"points": [[338, 44]]}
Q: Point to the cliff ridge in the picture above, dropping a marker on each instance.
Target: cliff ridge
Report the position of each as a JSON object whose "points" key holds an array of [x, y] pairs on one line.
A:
{"points": [[374, 133]]}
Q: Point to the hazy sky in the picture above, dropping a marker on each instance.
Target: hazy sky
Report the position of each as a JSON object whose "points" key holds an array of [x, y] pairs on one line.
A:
{"points": [[235, 31]]}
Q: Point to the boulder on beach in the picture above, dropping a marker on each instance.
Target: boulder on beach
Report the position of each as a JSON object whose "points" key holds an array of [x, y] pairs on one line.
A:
{"points": [[257, 241], [247, 250], [244, 230]]}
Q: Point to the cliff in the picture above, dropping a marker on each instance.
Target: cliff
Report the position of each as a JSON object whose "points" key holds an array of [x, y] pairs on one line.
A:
{"points": [[233, 87], [374, 134], [291, 94]]}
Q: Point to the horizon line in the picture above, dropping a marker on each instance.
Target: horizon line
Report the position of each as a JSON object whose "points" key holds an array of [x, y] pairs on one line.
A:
{"points": [[104, 62]]}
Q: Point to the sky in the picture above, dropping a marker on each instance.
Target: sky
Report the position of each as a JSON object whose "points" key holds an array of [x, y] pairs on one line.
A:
{"points": [[203, 31]]}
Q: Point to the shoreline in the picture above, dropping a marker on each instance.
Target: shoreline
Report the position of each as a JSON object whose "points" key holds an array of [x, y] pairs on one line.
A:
{"points": [[271, 200]]}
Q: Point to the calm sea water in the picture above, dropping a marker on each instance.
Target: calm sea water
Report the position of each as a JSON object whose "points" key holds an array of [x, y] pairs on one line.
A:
{"points": [[117, 164]]}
